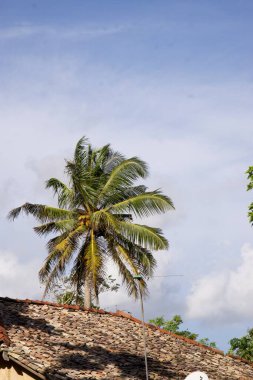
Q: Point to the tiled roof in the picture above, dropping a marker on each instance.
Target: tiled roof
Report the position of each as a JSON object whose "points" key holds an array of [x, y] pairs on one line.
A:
{"points": [[68, 342]]}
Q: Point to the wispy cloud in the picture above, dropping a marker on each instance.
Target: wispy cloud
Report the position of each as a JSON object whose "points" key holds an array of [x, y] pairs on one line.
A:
{"points": [[17, 278], [75, 33]]}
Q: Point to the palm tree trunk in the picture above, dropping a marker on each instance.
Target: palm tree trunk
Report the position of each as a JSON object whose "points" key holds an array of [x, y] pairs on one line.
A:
{"points": [[97, 300], [87, 292]]}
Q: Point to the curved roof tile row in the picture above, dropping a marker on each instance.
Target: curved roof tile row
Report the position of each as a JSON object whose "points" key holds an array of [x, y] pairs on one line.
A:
{"points": [[69, 342]]}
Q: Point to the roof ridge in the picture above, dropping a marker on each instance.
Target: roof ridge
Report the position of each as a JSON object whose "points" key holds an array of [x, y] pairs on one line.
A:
{"points": [[119, 313], [55, 304]]}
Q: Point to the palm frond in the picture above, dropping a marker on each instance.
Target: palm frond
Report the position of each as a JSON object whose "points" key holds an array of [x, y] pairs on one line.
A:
{"points": [[51, 279], [65, 195], [122, 194], [143, 205], [144, 236], [124, 174], [38, 211], [79, 269], [104, 219], [42, 213], [80, 172], [127, 275], [60, 226], [49, 262], [51, 244], [114, 159], [141, 257], [80, 154], [100, 156], [59, 257], [128, 259], [71, 240]]}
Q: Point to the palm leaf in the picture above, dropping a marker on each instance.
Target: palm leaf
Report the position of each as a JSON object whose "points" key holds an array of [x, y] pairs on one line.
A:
{"points": [[103, 218], [113, 160], [65, 195], [143, 205], [61, 255], [48, 264], [80, 154], [79, 269], [42, 213], [143, 258], [127, 275], [60, 226], [124, 174], [119, 195], [144, 236]]}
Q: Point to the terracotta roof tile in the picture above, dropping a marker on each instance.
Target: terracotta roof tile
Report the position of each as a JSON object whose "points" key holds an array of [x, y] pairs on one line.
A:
{"points": [[69, 342]]}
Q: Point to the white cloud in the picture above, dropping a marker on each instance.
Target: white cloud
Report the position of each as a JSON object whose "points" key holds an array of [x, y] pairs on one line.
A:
{"points": [[226, 295], [7, 194], [17, 279]]}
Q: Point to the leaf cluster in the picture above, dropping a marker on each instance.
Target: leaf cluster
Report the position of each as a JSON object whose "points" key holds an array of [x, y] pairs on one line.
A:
{"points": [[174, 324], [94, 220], [249, 173], [64, 292], [243, 346]]}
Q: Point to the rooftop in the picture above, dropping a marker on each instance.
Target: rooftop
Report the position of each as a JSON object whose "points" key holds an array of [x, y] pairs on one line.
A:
{"points": [[68, 342]]}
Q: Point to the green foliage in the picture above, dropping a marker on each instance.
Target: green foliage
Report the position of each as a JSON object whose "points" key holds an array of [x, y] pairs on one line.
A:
{"points": [[64, 292], [243, 346], [170, 325], [207, 342], [94, 220], [250, 187], [174, 324]]}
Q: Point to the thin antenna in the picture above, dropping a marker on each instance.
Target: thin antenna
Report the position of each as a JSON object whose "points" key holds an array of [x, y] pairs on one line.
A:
{"points": [[139, 278], [170, 275]]}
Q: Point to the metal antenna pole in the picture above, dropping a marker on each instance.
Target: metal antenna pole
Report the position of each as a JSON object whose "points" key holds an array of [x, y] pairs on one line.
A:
{"points": [[138, 277]]}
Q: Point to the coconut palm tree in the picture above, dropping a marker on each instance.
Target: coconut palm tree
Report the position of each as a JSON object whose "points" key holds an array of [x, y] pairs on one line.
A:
{"points": [[93, 222]]}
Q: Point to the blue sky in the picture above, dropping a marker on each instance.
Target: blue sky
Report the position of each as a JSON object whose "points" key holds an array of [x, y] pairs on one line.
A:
{"points": [[169, 81]]}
